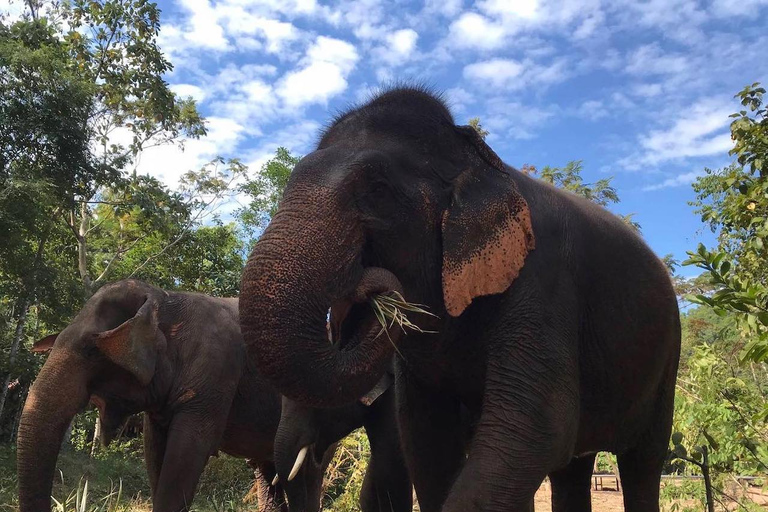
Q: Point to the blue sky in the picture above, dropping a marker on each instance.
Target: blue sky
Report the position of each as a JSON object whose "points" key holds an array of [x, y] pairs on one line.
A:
{"points": [[639, 90]]}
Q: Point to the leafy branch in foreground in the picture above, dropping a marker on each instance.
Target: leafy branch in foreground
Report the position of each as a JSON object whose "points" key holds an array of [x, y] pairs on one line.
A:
{"points": [[734, 201], [740, 298]]}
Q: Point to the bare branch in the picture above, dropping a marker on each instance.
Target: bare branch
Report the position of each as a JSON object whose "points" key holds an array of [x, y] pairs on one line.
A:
{"points": [[116, 257]]}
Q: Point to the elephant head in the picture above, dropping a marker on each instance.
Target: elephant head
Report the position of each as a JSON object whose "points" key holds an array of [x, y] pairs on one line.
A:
{"points": [[108, 355], [394, 193], [307, 438], [305, 443]]}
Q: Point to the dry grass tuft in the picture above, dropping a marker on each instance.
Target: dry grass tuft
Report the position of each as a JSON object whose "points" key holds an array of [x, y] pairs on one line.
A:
{"points": [[391, 308]]}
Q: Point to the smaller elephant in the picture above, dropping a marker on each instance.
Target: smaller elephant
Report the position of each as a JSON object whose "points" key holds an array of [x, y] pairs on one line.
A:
{"points": [[179, 358]]}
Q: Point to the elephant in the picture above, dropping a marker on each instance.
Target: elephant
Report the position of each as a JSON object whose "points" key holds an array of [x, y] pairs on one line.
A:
{"points": [[557, 331], [307, 435], [179, 357]]}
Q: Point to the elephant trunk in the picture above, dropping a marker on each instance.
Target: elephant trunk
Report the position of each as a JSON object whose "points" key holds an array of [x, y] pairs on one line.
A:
{"points": [[308, 260], [56, 396]]}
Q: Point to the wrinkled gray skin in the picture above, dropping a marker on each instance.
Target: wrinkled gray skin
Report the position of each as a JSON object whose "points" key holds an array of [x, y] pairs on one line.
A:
{"points": [[386, 487], [178, 357], [558, 333]]}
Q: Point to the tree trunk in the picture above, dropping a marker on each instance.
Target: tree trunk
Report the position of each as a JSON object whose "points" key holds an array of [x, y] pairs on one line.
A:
{"points": [[707, 479], [17, 335], [82, 249]]}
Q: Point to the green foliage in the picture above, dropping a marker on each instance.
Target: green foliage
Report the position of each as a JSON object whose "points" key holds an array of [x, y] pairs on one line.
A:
{"points": [[749, 130], [734, 202], [344, 478], [686, 286], [569, 178], [475, 123], [719, 406], [266, 190], [104, 476], [225, 482]]}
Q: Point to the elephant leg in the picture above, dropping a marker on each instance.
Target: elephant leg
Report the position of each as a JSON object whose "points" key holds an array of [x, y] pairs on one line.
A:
{"points": [[386, 487], [271, 497], [433, 440], [192, 438], [155, 437], [571, 486], [527, 427], [640, 468]]}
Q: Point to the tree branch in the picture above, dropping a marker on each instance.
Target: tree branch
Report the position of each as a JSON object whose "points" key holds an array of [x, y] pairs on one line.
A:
{"points": [[118, 255]]}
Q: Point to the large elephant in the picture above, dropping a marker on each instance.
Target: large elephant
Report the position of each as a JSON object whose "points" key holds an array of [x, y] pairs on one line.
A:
{"points": [[180, 358], [558, 333]]}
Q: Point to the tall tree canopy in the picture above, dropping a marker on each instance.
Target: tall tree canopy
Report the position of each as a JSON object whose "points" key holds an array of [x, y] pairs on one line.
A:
{"points": [[734, 203]]}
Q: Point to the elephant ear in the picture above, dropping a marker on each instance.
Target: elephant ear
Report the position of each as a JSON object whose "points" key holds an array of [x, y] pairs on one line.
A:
{"points": [[45, 344], [134, 344], [487, 231]]}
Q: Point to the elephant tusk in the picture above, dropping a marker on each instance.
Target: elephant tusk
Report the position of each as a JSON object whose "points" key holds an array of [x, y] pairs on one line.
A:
{"points": [[299, 461], [275, 480]]}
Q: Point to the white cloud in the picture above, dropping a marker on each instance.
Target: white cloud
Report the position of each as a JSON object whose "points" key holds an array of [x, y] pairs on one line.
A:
{"points": [[647, 90], [204, 30], [589, 25], [459, 98], [169, 162], [513, 120], [397, 50], [513, 75], [679, 20], [651, 60], [495, 72], [335, 51], [701, 131], [403, 42], [676, 181], [244, 94], [324, 74], [521, 8], [273, 33], [447, 8], [592, 110], [500, 20], [728, 8], [187, 90], [475, 31]]}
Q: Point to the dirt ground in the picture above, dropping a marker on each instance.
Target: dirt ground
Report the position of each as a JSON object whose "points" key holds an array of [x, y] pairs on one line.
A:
{"points": [[609, 500], [602, 501]]}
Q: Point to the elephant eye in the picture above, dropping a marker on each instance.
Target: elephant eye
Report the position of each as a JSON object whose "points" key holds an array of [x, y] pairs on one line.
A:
{"points": [[91, 351]]}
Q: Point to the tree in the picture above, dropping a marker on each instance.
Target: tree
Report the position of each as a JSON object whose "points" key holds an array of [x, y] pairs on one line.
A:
{"points": [[43, 149], [684, 287], [734, 202], [475, 123], [65, 96], [569, 178], [266, 190], [121, 61]]}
